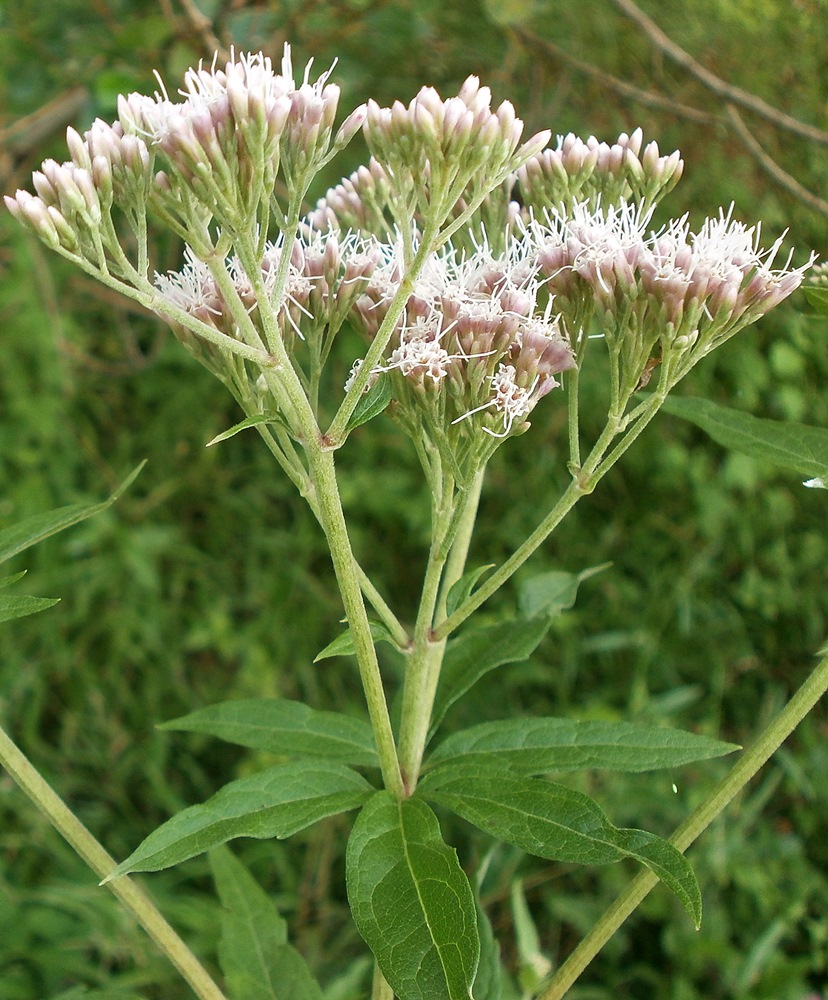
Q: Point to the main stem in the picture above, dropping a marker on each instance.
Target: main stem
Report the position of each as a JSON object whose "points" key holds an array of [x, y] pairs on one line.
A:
{"points": [[133, 898], [765, 745], [332, 519], [422, 671]]}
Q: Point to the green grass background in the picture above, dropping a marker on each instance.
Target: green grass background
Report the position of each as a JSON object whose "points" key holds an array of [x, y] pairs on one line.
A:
{"points": [[209, 579]]}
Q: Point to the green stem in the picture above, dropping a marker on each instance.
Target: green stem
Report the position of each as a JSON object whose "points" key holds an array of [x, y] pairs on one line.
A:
{"points": [[422, 670], [765, 745], [130, 895], [332, 519], [456, 562], [592, 471]]}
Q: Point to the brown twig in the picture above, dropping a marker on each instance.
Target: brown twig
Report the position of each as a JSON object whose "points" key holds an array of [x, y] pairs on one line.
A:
{"points": [[770, 166], [621, 87], [726, 91]]}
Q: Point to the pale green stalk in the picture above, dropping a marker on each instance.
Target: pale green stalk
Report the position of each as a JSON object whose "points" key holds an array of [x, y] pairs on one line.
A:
{"points": [[336, 432], [128, 892], [149, 297], [585, 482], [332, 519], [765, 745], [422, 670], [456, 562]]}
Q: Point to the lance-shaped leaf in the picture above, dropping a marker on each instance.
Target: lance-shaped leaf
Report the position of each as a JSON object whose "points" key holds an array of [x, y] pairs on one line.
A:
{"points": [[255, 957], [794, 446], [242, 425], [34, 529], [371, 403], [480, 650], [343, 645], [552, 592], [551, 821], [12, 607], [290, 728], [539, 746], [463, 588], [277, 802], [411, 900]]}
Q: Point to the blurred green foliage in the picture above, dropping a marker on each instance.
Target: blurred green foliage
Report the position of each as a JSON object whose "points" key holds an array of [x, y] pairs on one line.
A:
{"points": [[209, 580]]}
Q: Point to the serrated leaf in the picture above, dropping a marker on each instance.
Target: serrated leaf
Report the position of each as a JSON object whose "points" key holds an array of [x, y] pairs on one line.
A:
{"points": [[20, 606], [463, 588], [817, 297], [411, 900], [555, 822], [343, 645], [290, 728], [793, 446], [371, 403], [271, 417], [277, 802], [539, 746], [477, 651], [28, 532], [255, 957], [553, 592]]}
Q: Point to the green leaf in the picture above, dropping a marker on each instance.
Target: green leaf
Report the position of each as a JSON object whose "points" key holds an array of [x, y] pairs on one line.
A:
{"points": [[343, 645], [818, 297], [463, 588], [271, 417], [290, 728], [19, 607], [538, 746], [552, 592], [477, 651], [411, 900], [254, 955], [277, 802], [555, 822], [794, 446], [371, 403], [7, 581], [19, 537], [487, 982]]}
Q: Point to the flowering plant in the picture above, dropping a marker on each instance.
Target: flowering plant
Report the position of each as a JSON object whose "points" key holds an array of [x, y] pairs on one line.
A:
{"points": [[484, 274]]}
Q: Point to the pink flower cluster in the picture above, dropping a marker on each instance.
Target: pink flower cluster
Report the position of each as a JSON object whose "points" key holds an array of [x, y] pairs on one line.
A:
{"points": [[470, 337], [690, 288]]}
